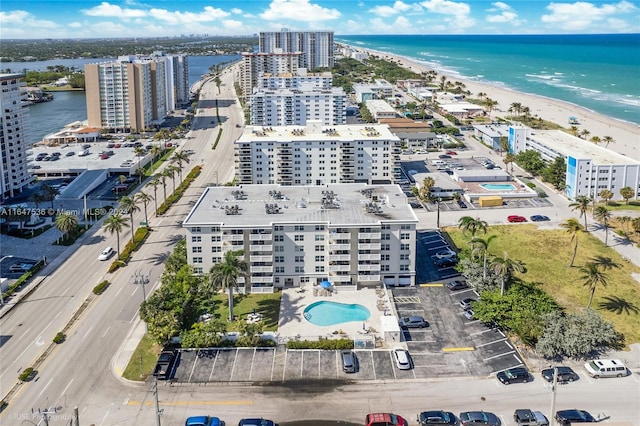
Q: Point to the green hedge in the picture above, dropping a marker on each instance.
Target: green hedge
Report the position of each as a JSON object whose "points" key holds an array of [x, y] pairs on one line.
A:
{"points": [[100, 288], [215, 145], [20, 281], [60, 337], [321, 344], [193, 174], [140, 236], [26, 374]]}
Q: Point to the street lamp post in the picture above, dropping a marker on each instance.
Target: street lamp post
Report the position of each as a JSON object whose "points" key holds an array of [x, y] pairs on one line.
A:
{"points": [[438, 201], [140, 279]]}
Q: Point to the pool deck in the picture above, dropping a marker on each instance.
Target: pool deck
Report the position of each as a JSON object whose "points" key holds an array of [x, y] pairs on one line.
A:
{"points": [[292, 323]]}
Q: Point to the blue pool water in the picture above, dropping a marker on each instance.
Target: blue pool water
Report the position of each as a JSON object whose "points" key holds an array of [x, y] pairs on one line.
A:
{"points": [[331, 313], [498, 187]]}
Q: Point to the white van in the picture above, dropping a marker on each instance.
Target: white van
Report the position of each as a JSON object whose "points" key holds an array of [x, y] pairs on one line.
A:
{"points": [[605, 368]]}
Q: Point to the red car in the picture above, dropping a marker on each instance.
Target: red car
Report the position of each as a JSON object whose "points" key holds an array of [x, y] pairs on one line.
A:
{"points": [[515, 218], [451, 153]]}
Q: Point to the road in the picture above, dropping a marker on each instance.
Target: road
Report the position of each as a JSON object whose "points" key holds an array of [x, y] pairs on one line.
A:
{"points": [[80, 370]]}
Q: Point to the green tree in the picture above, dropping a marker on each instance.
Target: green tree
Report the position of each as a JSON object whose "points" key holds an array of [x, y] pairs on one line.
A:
{"points": [[585, 134], [204, 335], [603, 214], [504, 145], [606, 195], [505, 267], [424, 193], [224, 275], [181, 158], [635, 224], [595, 139], [516, 107], [170, 172], [508, 160], [572, 227], [556, 173], [624, 222], [531, 161], [607, 140], [489, 105], [163, 135], [593, 277], [155, 151], [129, 205], [627, 193], [481, 247], [581, 204], [472, 226], [49, 193], [145, 199], [115, 223], [66, 223], [154, 183]]}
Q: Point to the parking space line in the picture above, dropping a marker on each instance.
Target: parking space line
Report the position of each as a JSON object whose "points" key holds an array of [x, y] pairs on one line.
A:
{"points": [[233, 367], [481, 332], [374, 365], [450, 275], [458, 349], [491, 343], [513, 366], [284, 369], [213, 367], [301, 362], [509, 345], [393, 365], [195, 361], [498, 356], [253, 358]]}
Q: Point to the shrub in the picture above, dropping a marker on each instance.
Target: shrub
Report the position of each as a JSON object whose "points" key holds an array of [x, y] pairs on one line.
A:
{"points": [[100, 288], [321, 344], [193, 174], [60, 337], [140, 236], [20, 281], [531, 185], [215, 145], [27, 374]]}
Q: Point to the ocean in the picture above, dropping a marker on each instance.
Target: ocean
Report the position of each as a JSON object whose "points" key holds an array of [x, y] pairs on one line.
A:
{"points": [[597, 72], [67, 107]]}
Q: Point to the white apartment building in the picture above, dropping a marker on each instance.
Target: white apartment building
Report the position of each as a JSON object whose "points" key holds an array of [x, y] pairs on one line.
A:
{"points": [[316, 46], [379, 90], [254, 65], [288, 107], [317, 155], [295, 81], [590, 168], [380, 109], [349, 234], [14, 137]]}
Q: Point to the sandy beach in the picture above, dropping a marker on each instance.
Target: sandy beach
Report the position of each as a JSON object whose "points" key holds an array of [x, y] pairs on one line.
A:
{"points": [[626, 136]]}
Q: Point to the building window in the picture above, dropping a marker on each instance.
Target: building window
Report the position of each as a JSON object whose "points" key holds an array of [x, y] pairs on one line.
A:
{"points": [[404, 256], [278, 228], [196, 238], [404, 268], [319, 228], [299, 249], [196, 249], [299, 228], [320, 268], [385, 237], [385, 257], [196, 229], [299, 237], [319, 237], [404, 246], [279, 269], [319, 258], [385, 247], [299, 269], [299, 259], [278, 259], [405, 236], [319, 248], [384, 268], [215, 238], [278, 249], [278, 238], [197, 270], [197, 260]]}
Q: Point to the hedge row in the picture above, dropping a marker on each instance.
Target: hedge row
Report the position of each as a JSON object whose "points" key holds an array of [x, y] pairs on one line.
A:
{"points": [[140, 235], [20, 281], [100, 288], [215, 145], [26, 374], [193, 174], [320, 344], [60, 337]]}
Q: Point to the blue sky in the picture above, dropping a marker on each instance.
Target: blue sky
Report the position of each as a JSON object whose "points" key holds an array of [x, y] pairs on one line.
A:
{"points": [[115, 18]]}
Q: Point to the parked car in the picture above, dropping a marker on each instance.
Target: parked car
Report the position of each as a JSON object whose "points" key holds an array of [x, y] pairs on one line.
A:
{"points": [[86, 146], [106, 253], [401, 356], [256, 422], [451, 153], [446, 262], [461, 203], [514, 375], [568, 417], [524, 417], [541, 419], [111, 145], [20, 267], [605, 368], [466, 303], [444, 254], [202, 421], [349, 361], [479, 417], [565, 374], [70, 153], [413, 322], [427, 418], [165, 362], [384, 419], [456, 285], [516, 218], [469, 314], [539, 218]]}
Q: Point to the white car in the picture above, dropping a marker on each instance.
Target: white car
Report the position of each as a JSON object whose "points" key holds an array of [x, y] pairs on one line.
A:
{"points": [[401, 356], [106, 253], [445, 254]]}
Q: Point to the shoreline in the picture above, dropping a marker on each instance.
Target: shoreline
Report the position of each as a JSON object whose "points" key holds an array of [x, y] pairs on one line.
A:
{"points": [[625, 134]]}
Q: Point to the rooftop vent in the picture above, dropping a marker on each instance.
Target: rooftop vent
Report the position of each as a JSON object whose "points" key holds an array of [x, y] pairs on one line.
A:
{"points": [[232, 210], [239, 194], [373, 207], [329, 200], [277, 195], [272, 208]]}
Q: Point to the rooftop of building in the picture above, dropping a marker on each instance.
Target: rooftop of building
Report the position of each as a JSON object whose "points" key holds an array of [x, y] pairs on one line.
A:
{"points": [[344, 204], [303, 89], [493, 130], [379, 105], [10, 76], [569, 145], [404, 123], [315, 131]]}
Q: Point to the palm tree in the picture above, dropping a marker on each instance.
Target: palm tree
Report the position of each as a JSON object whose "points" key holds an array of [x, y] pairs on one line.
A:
{"points": [[164, 135], [595, 139], [154, 183], [573, 227], [515, 107], [170, 171], [162, 177], [582, 205], [624, 221], [115, 223], [224, 275], [489, 104], [139, 151], [50, 193], [472, 226], [66, 222], [38, 198], [145, 199], [508, 160], [155, 151], [129, 205], [603, 214], [627, 193], [179, 158], [443, 83], [505, 267], [481, 246], [585, 133], [593, 276], [424, 193], [606, 195], [574, 130], [607, 140]]}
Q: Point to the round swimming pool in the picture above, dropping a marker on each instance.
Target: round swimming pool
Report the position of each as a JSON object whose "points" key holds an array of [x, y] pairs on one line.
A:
{"points": [[331, 313], [498, 187]]}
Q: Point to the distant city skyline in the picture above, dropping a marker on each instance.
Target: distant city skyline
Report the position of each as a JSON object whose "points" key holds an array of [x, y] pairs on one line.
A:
{"points": [[21, 19]]}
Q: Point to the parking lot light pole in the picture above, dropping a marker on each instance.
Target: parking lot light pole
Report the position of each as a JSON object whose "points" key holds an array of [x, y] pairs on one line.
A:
{"points": [[438, 201]]}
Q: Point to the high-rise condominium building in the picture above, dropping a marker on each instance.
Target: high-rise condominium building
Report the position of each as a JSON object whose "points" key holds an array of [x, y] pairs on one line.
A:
{"points": [[14, 137], [316, 154], [254, 65], [316, 46], [348, 234]]}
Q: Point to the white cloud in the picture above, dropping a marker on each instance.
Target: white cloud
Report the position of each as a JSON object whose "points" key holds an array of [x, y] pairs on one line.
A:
{"points": [[505, 14], [207, 15], [18, 23], [386, 11], [446, 7], [110, 10], [236, 11], [75, 25], [298, 10], [582, 15]]}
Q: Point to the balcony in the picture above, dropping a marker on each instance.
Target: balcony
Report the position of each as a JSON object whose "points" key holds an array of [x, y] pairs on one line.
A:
{"points": [[343, 268], [342, 257], [260, 237], [369, 256], [340, 246], [341, 278], [368, 278], [256, 247], [255, 269], [256, 280], [232, 237], [369, 246], [373, 267], [259, 258], [369, 235]]}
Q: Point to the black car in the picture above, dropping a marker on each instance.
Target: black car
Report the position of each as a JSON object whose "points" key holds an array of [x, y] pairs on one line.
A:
{"points": [[456, 285], [445, 262], [567, 417], [565, 374], [539, 218], [514, 375], [437, 418], [462, 204], [444, 156], [479, 417]]}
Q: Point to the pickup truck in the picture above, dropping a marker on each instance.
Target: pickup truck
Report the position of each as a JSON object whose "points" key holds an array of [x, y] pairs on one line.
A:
{"points": [[164, 365]]}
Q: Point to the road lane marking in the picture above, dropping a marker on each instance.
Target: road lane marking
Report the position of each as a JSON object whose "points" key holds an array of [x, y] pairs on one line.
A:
{"points": [[458, 349], [106, 414], [106, 331], [67, 388], [119, 290], [87, 333], [45, 387]]}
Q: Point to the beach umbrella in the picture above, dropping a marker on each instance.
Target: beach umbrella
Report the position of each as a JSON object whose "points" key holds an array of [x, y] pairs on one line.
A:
{"points": [[325, 284]]}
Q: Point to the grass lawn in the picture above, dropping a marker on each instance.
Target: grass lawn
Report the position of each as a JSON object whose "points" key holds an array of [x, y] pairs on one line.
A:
{"points": [[143, 360], [621, 205], [267, 304], [547, 254]]}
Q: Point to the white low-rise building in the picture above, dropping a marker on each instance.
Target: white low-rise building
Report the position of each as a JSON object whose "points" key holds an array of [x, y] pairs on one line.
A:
{"points": [[461, 109], [380, 109], [348, 234], [379, 90], [316, 155], [590, 168]]}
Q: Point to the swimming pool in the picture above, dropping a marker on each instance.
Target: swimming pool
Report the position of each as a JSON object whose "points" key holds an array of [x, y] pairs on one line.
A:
{"points": [[331, 313], [498, 187]]}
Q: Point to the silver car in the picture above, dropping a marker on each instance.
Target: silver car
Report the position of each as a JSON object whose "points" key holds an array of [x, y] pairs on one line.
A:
{"points": [[413, 322]]}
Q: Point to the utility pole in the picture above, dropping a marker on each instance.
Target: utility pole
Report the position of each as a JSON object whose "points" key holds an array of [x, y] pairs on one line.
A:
{"points": [[76, 417], [554, 388], [438, 201], [140, 279], [158, 410]]}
